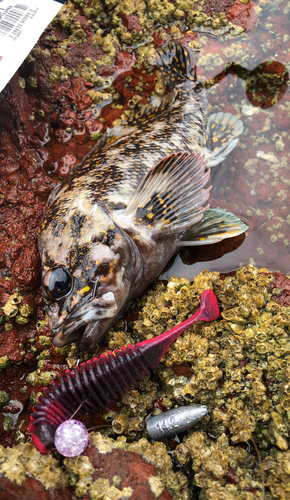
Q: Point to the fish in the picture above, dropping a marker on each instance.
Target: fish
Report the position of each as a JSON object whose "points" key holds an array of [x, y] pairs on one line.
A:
{"points": [[138, 196]]}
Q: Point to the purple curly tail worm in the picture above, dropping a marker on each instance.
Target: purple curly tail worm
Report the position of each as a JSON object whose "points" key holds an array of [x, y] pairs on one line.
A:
{"points": [[96, 384]]}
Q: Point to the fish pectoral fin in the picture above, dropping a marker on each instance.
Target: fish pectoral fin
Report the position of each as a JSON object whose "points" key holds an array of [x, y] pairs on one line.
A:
{"points": [[216, 225], [223, 130], [172, 196]]}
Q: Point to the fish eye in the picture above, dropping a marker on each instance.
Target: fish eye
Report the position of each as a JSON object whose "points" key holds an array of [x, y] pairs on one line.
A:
{"points": [[60, 283]]}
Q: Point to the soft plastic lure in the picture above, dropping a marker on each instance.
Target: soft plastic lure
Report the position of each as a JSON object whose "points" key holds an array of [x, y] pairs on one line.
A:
{"points": [[95, 384]]}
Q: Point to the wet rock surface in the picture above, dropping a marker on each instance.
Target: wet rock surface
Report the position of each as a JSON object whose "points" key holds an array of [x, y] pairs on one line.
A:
{"points": [[120, 471], [31, 489]]}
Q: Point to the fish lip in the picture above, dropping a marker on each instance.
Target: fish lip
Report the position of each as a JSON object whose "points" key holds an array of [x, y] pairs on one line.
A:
{"points": [[67, 333], [78, 332], [61, 340], [87, 342]]}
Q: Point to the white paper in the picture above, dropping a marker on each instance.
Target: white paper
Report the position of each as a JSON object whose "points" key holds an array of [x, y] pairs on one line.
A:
{"points": [[21, 24]]}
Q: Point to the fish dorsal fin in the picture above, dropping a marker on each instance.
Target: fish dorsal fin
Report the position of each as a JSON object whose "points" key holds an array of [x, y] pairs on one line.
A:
{"points": [[147, 114], [172, 196], [157, 106], [216, 225]]}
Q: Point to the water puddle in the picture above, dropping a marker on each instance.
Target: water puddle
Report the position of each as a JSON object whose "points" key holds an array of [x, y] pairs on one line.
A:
{"points": [[247, 75]]}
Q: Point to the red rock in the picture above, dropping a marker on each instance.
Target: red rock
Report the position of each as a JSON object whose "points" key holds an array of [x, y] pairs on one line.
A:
{"points": [[131, 22], [183, 369], [173, 442], [82, 20], [67, 119], [31, 489], [66, 163], [231, 476], [214, 7], [132, 468], [283, 282], [26, 269], [242, 15]]}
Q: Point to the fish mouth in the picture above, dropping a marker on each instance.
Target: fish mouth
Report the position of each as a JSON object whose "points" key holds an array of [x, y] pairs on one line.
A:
{"points": [[86, 334], [63, 337], [66, 332], [87, 325]]}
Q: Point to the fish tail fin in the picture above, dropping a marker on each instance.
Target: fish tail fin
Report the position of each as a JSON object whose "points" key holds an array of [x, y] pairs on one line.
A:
{"points": [[175, 63], [216, 225], [223, 130]]}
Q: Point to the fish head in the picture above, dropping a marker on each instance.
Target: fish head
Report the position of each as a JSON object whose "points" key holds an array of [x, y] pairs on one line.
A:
{"points": [[88, 269]]}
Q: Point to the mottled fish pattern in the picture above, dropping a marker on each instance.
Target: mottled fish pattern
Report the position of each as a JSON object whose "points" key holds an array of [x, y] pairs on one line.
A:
{"points": [[140, 194]]}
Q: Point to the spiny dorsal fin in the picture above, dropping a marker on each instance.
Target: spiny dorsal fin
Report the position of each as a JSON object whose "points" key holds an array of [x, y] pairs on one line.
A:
{"points": [[175, 65], [171, 197], [216, 225]]}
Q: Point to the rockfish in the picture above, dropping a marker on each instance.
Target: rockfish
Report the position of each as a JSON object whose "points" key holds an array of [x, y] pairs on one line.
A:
{"points": [[135, 199]]}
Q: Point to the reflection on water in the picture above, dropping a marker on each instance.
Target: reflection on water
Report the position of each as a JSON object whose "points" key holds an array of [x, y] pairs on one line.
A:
{"points": [[248, 76]]}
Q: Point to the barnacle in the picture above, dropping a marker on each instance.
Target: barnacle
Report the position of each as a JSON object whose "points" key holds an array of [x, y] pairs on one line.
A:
{"points": [[21, 320], [25, 461], [136, 424], [4, 362], [10, 309], [4, 398], [120, 423]]}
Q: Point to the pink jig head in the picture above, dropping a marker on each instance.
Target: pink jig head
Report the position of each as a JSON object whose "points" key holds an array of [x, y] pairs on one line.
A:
{"points": [[96, 384]]}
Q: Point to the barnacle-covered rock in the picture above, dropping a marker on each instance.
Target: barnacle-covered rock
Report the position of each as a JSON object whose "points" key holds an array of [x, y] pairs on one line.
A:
{"points": [[139, 401], [279, 478], [24, 461], [117, 467], [236, 365]]}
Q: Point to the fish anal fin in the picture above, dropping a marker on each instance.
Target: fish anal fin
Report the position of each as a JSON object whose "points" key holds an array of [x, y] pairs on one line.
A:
{"points": [[216, 225], [172, 196]]}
